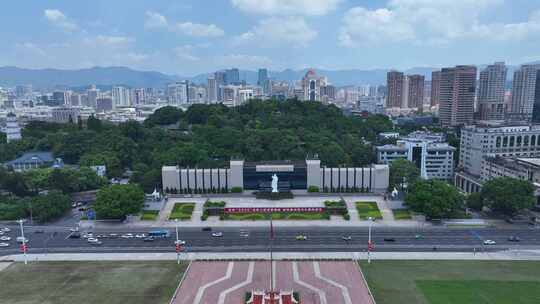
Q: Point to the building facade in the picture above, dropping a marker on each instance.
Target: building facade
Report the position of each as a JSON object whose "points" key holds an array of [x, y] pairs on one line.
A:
{"points": [[312, 85], [415, 92], [523, 93], [12, 128], [292, 176], [428, 151], [457, 93], [491, 90], [395, 82], [435, 88]]}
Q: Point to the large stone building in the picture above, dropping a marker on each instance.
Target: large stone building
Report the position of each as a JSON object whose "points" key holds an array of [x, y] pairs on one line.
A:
{"points": [[312, 85], [479, 143], [293, 175], [433, 157]]}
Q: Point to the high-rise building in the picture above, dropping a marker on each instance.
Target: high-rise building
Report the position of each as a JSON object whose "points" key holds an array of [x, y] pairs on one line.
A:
{"points": [[491, 90], [523, 93], [232, 76], [372, 91], [263, 81], [220, 82], [22, 91], [178, 93], [536, 107], [212, 89], [435, 88], [93, 95], [415, 92], [120, 97], [458, 87], [12, 129], [139, 96], [61, 98], [311, 85], [395, 83]]}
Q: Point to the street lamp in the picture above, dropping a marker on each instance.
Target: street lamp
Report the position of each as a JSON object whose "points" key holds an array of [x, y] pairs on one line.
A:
{"points": [[23, 246], [177, 243], [370, 245]]}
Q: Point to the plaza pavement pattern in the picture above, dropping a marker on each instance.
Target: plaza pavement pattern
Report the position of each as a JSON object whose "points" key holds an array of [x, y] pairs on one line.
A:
{"points": [[318, 282]]}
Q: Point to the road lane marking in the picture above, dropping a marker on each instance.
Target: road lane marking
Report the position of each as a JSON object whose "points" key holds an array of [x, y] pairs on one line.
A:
{"points": [[248, 280], [344, 290], [296, 277], [202, 289]]}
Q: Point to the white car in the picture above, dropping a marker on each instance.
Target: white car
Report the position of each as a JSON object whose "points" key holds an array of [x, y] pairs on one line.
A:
{"points": [[140, 236], [180, 242], [88, 235], [4, 245], [489, 242], [92, 240], [217, 234], [6, 229], [127, 236], [5, 238], [20, 239]]}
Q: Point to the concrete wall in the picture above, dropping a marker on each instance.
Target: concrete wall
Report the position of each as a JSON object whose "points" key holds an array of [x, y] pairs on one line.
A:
{"points": [[183, 179], [372, 179]]}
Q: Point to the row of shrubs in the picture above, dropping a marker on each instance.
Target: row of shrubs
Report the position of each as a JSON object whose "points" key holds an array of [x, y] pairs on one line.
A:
{"points": [[212, 205], [337, 208]]}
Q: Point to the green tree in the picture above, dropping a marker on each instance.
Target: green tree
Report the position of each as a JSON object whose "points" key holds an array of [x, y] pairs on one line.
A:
{"points": [[434, 198], [402, 173], [94, 124], [53, 205], [118, 201], [108, 159], [475, 201], [164, 116], [508, 195]]}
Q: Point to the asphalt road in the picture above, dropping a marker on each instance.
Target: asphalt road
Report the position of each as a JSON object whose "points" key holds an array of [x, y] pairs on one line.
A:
{"points": [[55, 239]]}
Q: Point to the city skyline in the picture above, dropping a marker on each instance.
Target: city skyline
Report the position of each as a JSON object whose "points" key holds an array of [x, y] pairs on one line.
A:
{"points": [[189, 38]]}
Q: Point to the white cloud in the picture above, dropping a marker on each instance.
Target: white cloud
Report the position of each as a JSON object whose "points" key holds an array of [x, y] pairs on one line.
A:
{"points": [[290, 31], [287, 7], [60, 20], [109, 41], [198, 29], [136, 57], [155, 20], [30, 48], [429, 22], [184, 52]]}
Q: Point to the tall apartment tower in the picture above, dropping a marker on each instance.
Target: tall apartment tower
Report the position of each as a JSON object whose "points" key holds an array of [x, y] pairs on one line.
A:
{"points": [[263, 81], [232, 76], [92, 96], [435, 88], [395, 84], [523, 93], [458, 87], [212, 89], [120, 97], [311, 86], [491, 90], [415, 92], [220, 82], [536, 107]]}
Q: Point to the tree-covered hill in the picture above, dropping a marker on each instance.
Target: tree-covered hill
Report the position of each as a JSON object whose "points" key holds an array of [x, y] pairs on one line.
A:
{"points": [[208, 136]]}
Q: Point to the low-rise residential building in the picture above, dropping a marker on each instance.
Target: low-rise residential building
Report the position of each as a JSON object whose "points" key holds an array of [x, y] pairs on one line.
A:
{"points": [[428, 151]]}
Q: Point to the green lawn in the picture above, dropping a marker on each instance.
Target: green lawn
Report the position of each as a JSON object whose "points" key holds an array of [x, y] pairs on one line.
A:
{"points": [[367, 210], [90, 282], [454, 282], [182, 211], [307, 216], [149, 215], [402, 214]]}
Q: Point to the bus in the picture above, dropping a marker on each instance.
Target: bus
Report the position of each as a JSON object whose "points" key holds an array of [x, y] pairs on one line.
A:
{"points": [[159, 233]]}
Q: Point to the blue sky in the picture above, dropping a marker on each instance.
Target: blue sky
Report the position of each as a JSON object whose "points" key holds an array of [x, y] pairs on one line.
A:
{"points": [[187, 37]]}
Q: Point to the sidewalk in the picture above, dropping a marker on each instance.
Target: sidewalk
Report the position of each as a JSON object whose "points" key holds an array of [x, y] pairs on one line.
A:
{"points": [[511, 255]]}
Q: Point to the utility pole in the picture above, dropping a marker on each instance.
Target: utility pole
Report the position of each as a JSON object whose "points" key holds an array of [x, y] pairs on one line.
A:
{"points": [[23, 246], [177, 243], [370, 245]]}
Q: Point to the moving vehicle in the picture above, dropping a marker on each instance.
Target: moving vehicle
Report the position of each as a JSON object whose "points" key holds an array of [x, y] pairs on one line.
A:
{"points": [[207, 229], [180, 242], [244, 234], [489, 242], [6, 229], [98, 242], [301, 237], [140, 236], [217, 234], [75, 235], [514, 238], [159, 233], [127, 236], [389, 239], [149, 239], [4, 245], [5, 238], [20, 239], [346, 238], [92, 240]]}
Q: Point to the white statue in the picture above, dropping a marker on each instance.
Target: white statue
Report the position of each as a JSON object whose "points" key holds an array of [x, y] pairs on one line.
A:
{"points": [[395, 192], [274, 183]]}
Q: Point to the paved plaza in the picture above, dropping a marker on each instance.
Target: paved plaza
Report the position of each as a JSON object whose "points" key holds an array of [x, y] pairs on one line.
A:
{"points": [[316, 282]]}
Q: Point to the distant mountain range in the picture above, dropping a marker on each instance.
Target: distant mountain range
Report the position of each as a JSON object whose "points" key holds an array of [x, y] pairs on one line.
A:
{"points": [[109, 76]]}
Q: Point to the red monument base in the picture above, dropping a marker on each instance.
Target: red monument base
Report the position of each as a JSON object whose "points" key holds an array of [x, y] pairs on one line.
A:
{"points": [[271, 297]]}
